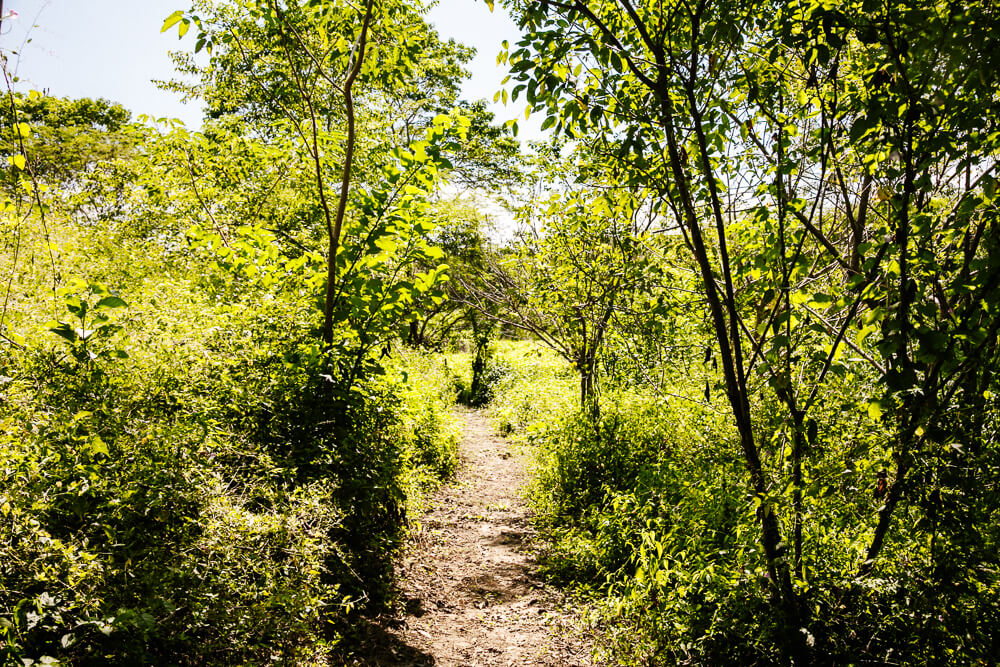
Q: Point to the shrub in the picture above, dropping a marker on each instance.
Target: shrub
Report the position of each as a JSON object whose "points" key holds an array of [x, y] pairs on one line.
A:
{"points": [[428, 428], [206, 496], [645, 507], [533, 385]]}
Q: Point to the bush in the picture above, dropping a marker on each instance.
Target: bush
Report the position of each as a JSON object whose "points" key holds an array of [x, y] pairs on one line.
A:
{"points": [[646, 509], [428, 427], [532, 386], [191, 493], [631, 471]]}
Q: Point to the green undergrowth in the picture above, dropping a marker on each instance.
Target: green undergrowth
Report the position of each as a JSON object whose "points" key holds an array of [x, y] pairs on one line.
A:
{"points": [[644, 514], [183, 480], [529, 385], [430, 428], [640, 509]]}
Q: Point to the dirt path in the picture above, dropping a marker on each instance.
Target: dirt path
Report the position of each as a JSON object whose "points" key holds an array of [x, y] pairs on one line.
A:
{"points": [[468, 576]]}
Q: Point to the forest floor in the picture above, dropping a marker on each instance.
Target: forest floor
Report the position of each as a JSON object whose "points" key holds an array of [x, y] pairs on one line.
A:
{"points": [[469, 577]]}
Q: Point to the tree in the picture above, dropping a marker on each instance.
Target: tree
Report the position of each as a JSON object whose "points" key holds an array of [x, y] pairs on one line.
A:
{"points": [[66, 137], [308, 82], [579, 255], [848, 145]]}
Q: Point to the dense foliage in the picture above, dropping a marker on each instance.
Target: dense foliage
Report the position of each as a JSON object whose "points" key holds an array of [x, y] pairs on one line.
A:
{"points": [[212, 437], [754, 274], [828, 171]]}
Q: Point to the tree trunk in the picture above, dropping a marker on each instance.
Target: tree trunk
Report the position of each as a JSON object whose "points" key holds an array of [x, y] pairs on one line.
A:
{"points": [[345, 179]]}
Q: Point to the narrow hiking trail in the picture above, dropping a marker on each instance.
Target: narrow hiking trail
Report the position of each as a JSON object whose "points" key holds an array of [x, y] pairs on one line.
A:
{"points": [[468, 577]]}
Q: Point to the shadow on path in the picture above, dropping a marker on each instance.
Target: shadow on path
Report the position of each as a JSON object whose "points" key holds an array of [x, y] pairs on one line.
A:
{"points": [[382, 647]]}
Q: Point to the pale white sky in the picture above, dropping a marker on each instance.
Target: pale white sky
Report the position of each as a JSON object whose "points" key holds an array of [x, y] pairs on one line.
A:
{"points": [[114, 48]]}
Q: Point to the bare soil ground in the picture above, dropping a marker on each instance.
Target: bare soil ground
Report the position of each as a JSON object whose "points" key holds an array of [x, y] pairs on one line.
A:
{"points": [[468, 577]]}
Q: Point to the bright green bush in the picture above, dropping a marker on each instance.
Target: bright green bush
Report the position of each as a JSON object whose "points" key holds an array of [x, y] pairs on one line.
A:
{"points": [[134, 541], [645, 508], [192, 487], [428, 425], [630, 471], [532, 385]]}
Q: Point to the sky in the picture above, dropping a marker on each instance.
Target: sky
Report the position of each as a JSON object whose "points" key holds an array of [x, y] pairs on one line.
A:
{"points": [[114, 49]]}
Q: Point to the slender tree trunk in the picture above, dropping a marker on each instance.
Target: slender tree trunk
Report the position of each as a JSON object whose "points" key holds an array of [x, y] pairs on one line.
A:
{"points": [[786, 600], [414, 334], [345, 178], [478, 365], [798, 447], [858, 228], [900, 365], [586, 384]]}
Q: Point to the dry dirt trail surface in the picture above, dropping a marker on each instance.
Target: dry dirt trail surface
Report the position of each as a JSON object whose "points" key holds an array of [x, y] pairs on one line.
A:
{"points": [[468, 576]]}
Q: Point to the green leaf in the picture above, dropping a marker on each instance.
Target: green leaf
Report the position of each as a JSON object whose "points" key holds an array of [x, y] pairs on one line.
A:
{"points": [[990, 187], [616, 61], [65, 331], [172, 20], [111, 302], [76, 305], [97, 446], [385, 243], [860, 128]]}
